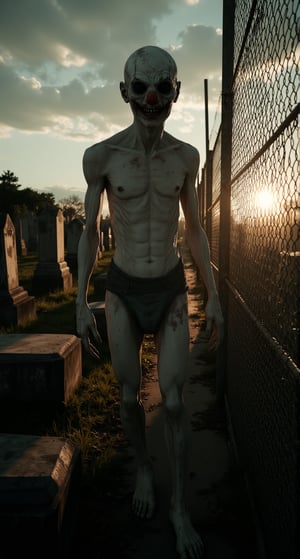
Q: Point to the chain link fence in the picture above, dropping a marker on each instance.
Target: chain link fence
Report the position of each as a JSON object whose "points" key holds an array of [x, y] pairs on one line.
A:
{"points": [[252, 221]]}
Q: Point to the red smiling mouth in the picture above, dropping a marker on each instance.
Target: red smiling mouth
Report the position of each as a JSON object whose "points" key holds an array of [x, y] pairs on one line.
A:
{"points": [[150, 111]]}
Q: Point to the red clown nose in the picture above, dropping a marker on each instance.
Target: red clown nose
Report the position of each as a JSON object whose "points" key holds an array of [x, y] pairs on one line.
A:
{"points": [[152, 98]]}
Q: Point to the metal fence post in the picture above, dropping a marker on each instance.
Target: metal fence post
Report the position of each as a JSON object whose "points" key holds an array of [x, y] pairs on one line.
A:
{"points": [[208, 169], [226, 146]]}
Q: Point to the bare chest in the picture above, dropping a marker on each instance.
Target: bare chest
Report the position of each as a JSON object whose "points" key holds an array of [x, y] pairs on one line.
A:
{"points": [[133, 175]]}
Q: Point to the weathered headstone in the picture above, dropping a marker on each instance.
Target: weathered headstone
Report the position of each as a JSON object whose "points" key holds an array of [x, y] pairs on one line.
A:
{"points": [[39, 496], [74, 230], [30, 231], [16, 306], [52, 271], [21, 244], [39, 367], [105, 230]]}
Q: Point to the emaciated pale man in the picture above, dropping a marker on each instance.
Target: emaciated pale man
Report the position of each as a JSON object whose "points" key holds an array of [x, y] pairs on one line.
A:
{"points": [[147, 174]]}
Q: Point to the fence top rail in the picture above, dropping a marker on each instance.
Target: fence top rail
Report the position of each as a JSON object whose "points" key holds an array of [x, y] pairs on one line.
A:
{"points": [[292, 116]]}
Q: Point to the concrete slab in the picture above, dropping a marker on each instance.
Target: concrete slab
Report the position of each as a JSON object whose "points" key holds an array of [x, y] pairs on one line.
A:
{"points": [[39, 367], [39, 495]]}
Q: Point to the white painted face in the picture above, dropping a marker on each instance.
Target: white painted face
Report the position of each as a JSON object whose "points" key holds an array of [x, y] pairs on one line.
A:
{"points": [[151, 85]]}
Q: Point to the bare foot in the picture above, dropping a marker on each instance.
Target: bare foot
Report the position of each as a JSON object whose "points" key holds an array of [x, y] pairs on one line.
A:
{"points": [[189, 545], [143, 502]]}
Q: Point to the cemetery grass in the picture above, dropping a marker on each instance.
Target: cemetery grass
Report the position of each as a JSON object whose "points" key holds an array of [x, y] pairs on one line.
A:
{"points": [[90, 419]]}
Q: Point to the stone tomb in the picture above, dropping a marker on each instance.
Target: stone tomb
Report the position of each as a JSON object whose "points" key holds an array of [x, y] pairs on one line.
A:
{"points": [[52, 272], [39, 367], [16, 306], [39, 496]]}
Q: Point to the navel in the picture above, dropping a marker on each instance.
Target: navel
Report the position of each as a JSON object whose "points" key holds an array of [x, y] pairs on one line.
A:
{"points": [[135, 162]]}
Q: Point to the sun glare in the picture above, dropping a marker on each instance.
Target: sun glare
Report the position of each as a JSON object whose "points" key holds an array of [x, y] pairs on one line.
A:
{"points": [[264, 200]]}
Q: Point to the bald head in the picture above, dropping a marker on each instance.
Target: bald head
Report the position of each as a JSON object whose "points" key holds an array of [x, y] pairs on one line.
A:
{"points": [[150, 60], [150, 85]]}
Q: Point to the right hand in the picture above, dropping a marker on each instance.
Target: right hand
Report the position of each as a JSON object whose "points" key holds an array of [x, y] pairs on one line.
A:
{"points": [[86, 326], [214, 322]]}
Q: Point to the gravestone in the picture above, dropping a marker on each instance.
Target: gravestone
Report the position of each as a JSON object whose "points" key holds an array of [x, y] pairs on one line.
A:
{"points": [[39, 496], [105, 227], [52, 271], [39, 367], [21, 244], [30, 231], [74, 231], [16, 306]]}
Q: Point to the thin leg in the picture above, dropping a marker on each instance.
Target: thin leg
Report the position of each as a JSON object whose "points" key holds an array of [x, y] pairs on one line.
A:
{"points": [[173, 361], [125, 347]]}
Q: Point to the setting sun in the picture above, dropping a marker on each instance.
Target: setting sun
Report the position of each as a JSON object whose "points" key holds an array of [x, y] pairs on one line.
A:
{"points": [[264, 200]]}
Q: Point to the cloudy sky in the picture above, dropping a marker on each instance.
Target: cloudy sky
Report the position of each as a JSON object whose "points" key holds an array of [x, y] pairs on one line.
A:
{"points": [[61, 62]]}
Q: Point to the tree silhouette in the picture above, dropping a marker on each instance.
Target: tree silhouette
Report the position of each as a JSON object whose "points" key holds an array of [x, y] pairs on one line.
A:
{"points": [[9, 180], [9, 186], [72, 207], [17, 202]]}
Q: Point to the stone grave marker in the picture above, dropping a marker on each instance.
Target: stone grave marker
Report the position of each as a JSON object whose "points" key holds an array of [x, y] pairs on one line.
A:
{"points": [[30, 231], [74, 230], [16, 306], [21, 244], [52, 271]]}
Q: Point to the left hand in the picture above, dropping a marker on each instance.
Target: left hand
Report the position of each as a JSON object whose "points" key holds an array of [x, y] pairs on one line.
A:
{"points": [[86, 326], [214, 322]]}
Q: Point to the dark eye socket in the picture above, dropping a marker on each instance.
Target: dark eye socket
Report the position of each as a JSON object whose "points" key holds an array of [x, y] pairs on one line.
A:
{"points": [[164, 87], [139, 87]]}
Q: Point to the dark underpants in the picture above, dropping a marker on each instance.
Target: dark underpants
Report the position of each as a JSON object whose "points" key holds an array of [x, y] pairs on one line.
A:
{"points": [[147, 299]]}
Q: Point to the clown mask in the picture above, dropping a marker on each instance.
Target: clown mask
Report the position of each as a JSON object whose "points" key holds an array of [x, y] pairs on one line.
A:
{"points": [[151, 85]]}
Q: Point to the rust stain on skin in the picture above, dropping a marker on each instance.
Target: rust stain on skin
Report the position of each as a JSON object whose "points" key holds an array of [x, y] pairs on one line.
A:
{"points": [[177, 315]]}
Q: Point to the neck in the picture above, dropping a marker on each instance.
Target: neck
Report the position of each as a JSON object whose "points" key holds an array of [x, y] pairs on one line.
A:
{"points": [[148, 137]]}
